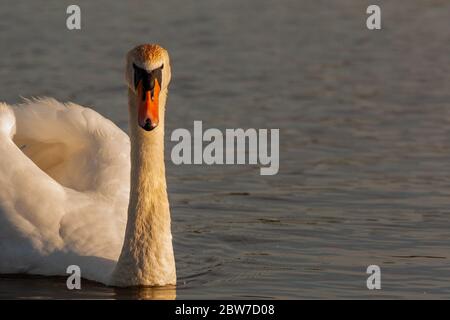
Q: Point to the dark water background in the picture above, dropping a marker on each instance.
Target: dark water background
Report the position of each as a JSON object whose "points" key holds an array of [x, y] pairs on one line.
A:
{"points": [[364, 124]]}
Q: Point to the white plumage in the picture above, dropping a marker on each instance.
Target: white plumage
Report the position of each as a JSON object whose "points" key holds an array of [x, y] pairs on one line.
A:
{"points": [[65, 183], [76, 190]]}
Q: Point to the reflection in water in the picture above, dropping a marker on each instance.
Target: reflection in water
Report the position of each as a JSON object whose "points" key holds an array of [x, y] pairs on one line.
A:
{"points": [[146, 293], [40, 287]]}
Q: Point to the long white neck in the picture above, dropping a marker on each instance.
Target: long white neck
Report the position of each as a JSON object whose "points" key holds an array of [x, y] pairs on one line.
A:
{"points": [[147, 255]]}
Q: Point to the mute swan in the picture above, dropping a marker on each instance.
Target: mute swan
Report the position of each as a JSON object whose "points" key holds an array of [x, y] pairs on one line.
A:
{"points": [[65, 185]]}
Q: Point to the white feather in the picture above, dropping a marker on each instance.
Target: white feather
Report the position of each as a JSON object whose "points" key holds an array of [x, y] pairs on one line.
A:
{"points": [[64, 176], [65, 189]]}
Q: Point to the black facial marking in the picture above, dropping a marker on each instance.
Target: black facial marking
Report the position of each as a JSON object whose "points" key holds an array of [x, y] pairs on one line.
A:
{"points": [[147, 78]]}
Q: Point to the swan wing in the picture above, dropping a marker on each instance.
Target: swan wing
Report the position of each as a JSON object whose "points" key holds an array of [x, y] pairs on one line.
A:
{"points": [[64, 188], [75, 145]]}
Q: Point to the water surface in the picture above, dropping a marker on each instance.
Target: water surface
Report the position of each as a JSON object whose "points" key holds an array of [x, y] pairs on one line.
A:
{"points": [[364, 124]]}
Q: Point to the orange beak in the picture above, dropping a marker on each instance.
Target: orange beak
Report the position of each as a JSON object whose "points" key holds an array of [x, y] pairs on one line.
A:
{"points": [[148, 104]]}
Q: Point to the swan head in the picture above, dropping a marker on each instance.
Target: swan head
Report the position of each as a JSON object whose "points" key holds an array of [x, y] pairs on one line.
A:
{"points": [[148, 74]]}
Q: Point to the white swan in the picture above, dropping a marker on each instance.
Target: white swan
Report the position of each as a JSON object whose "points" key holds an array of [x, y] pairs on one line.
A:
{"points": [[65, 185]]}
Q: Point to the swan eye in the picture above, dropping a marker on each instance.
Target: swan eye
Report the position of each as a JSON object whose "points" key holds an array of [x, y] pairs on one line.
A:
{"points": [[157, 74], [139, 74]]}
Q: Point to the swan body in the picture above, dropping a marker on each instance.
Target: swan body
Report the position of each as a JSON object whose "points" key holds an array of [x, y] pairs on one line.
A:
{"points": [[76, 190]]}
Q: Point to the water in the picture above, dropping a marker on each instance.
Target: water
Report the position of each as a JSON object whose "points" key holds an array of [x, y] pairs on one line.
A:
{"points": [[364, 131]]}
